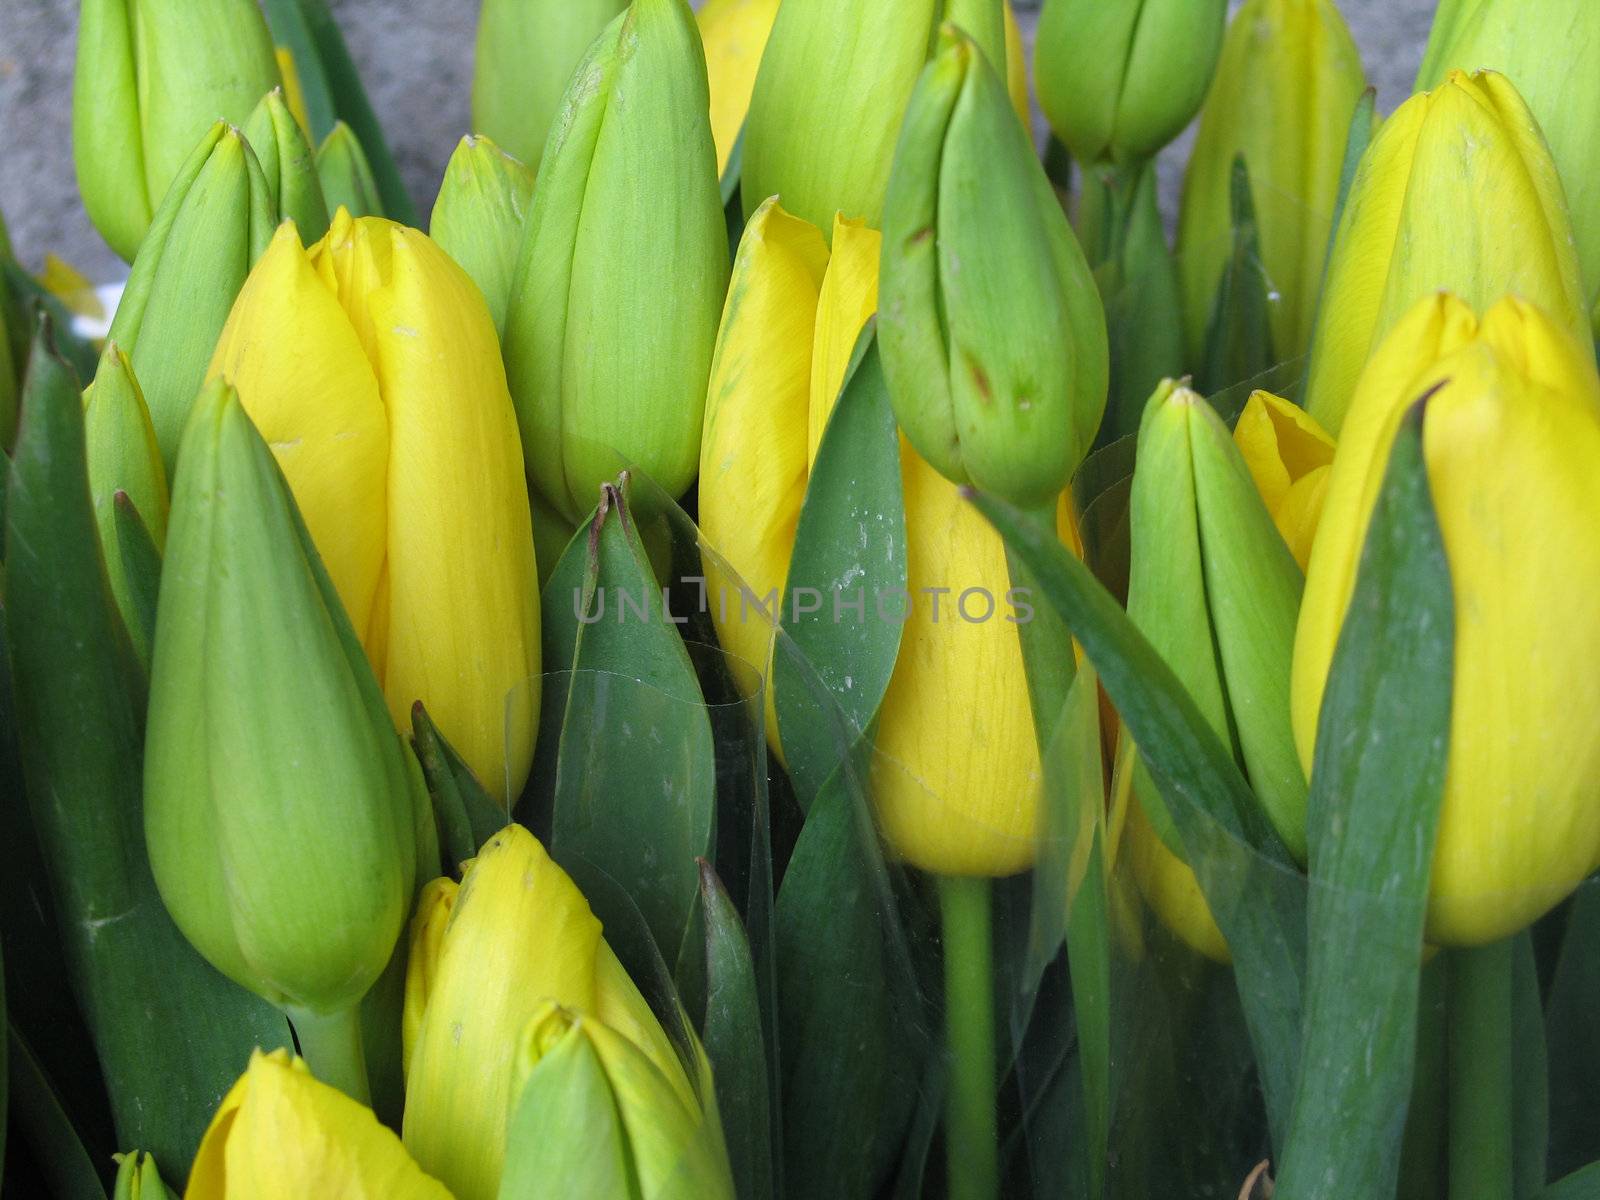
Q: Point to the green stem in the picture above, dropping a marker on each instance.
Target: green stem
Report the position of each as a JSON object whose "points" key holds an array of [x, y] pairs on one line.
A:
{"points": [[971, 1137], [1481, 1073], [1046, 644], [331, 1045]]}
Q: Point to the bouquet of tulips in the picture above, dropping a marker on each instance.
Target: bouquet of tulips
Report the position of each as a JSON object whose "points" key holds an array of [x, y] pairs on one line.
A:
{"points": [[793, 644]]}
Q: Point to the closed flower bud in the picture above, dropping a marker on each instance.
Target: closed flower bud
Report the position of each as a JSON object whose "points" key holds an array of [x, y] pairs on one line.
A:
{"points": [[281, 1135], [1511, 435], [1290, 458], [1284, 98], [627, 249], [526, 52], [277, 811], [346, 175], [138, 1179], [1525, 42], [369, 363], [518, 933], [151, 75], [994, 341], [1443, 180], [1119, 79], [594, 1115], [479, 215], [288, 164], [215, 222]]}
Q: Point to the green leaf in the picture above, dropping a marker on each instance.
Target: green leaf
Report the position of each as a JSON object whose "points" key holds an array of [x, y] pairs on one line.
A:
{"points": [[1583, 1184], [1574, 1037], [171, 1033], [44, 1124], [1422, 1156], [32, 301], [1239, 336], [465, 814], [850, 544], [734, 1042], [141, 566], [1376, 788], [1530, 1074]]}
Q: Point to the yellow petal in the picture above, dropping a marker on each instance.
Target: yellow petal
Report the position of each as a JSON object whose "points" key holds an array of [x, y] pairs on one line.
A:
{"points": [[428, 923], [1284, 448], [1300, 514], [1017, 68], [1170, 888], [279, 1134], [849, 296], [301, 374], [734, 33], [293, 94]]}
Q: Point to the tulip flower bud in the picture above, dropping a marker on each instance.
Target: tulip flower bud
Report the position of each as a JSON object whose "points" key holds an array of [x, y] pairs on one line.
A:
{"points": [[215, 222], [370, 364], [346, 175], [277, 814], [1170, 888], [1289, 457], [518, 933], [1119, 79], [734, 33], [281, 1135], [592, 1115], [1443, 180], [626, 248], [150, 76], [527, 51], [993, 338], [288, 164], [138, 1178], [435, 903], [123, 457], [1285, 95], [1511, 435], [479, 215], [1525, 42]]}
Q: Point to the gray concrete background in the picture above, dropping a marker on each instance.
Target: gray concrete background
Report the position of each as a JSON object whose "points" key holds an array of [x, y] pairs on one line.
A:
{"points": [[415, 57]]}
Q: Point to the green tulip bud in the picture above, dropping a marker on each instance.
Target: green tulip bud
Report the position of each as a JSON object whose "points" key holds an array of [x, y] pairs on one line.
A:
{"points": [[346, 175], [479, 216], [527, 50], [277, 809], [216, 220], [992, 334], [289, 166], [150, 76], [138, 1179], [626, 248], [1119, 79]]}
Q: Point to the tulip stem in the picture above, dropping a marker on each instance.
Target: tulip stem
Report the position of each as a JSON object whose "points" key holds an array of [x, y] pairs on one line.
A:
{"points": [[1046, 643], [331, 1045], [1480, 1087], [971, 1139]]}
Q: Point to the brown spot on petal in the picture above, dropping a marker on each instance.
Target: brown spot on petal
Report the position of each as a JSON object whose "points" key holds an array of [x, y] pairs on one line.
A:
{"points": [[980, 380]]}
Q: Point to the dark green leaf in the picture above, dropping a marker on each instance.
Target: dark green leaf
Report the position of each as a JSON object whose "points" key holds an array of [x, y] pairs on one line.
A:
{"points": [[171, 1033], [466, 815], [32, 301], [43, 1123], [1376, 788], [1573, 1030], [1530, 1074], [1239, 335], [1422, 1157], [141, 565], [1583, 1184]]}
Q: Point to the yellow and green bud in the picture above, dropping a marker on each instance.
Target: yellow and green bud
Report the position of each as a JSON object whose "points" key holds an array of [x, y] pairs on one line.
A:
{"points": [[1119, 79], [289, 165], [282, 1135], [1285, 94], [1511, 435], [993, 337], [1442, 182], [346, 175], [626, 247], [1290, 458], [479, 217], [278, 814], [593, 1115], [526, 53], [215, 222], [138, 1179], [370, 364], [151, 75]]}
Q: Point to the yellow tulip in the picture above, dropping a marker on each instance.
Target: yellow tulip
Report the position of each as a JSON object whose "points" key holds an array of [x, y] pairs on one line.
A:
{"points": [[279, 1134], [1290, 458], [518, 933], [371, 367], [1169, 887], [1457, 192], [1511, 437]]}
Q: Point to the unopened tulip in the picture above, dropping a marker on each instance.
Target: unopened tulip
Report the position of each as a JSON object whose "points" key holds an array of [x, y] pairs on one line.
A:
{"points": [[526, 53], [593, 1115], [370, 364], [346, 175], [479, 215], [518, 933], [151, 75], [1284, 97], [289, 165], [277, 810], [1290, 458], [138, 1179], [1511, 435], [1444, 180], [1169, 887], [613, 311], [215, 222], [993, 337], [282, 1135], [1119, 79], [1542, 48]]}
